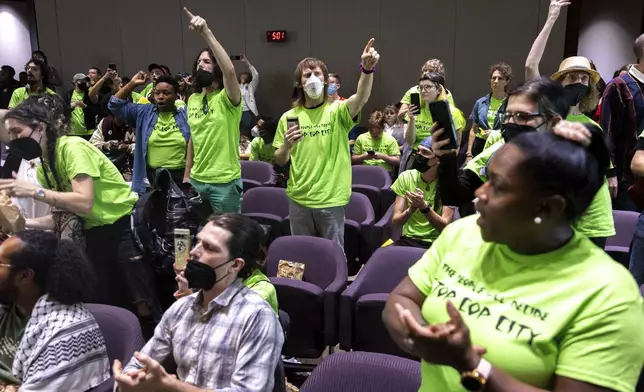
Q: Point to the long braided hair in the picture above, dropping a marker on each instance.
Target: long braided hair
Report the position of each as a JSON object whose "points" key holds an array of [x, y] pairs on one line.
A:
{"points": [[52, 111]]}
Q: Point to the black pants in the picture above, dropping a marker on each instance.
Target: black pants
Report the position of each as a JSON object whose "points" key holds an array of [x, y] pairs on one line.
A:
{"points": [[478, 146], [623, 200], [413, 242], [125, 277]]}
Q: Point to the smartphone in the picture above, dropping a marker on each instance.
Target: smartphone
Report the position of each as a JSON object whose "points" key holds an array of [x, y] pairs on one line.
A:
{"points": [[181, 248], [443, 116], [371, 152], [415, 100], [236, 57], [291, 122], [111, 66]]}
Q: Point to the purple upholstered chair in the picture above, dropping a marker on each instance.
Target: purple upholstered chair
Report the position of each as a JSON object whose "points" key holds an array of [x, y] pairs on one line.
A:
{"points": [[122, 333], [361, 304], [364, 372], [311, 303], [256, 173], [618, 245], [375, 183], [269, 207], [358, 231]]}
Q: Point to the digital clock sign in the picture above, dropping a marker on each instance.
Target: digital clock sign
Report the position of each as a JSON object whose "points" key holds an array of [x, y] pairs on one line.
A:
{"points": [[276, 36]]}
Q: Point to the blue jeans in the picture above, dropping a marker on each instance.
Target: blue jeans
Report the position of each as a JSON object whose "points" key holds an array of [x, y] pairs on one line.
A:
{"points": [[636, 262]]}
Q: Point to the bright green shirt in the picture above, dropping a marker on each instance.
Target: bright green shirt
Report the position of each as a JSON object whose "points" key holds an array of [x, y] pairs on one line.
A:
{"points": [[320, 174], [146, 90], [20, 94], [78, 115], [417, 226], [495, 104], [260, 151], [215, 137], [113, 197], [386, 145], [573, 312], [423, 122], [596, 221], [12, 327], [259, 283], [166, 146]]}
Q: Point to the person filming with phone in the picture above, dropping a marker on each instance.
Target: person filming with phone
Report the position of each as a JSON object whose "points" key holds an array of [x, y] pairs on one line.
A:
{"points": [[313, 136], [419, 118]]}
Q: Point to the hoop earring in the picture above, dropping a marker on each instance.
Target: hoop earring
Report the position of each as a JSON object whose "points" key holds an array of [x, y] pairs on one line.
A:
{"points": [[537, 220]]}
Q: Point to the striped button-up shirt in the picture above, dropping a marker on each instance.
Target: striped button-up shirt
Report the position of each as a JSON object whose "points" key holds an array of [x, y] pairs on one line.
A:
{"points": [[233, 344]]}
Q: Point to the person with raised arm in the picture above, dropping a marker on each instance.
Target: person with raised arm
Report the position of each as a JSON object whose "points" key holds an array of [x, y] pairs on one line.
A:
{"points": [[214, 114]]}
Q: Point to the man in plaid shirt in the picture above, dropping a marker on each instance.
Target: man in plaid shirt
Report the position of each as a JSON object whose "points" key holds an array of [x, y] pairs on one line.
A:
{"points": [[225, 337]]}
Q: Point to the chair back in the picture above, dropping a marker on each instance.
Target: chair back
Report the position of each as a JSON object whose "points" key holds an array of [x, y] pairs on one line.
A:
{"points": [[625, 222], [364, 372], [257, 171], [266, 200], [323, 259], [359, 209], [376, 176], [386, 268], [121, 331]]}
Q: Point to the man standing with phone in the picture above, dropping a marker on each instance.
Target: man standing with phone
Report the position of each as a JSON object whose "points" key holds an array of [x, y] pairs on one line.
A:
{"points": [[313, 137]]}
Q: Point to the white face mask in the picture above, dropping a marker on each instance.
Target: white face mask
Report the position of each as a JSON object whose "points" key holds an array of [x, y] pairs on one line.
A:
{"points": [[314, 87]]}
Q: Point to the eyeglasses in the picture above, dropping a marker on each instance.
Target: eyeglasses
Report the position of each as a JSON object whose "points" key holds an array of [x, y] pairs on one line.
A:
{"points": [[521, 118], [6, 265], [204, 103], [425, 88]]}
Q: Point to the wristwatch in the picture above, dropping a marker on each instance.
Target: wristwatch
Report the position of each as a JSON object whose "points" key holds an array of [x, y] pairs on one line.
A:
{"points": [[476, 379], [425, 210], [39, 194]]}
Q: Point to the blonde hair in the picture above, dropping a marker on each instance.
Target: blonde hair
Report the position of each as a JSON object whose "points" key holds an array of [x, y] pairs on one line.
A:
{"points": [[434, 65], [309, 63]]}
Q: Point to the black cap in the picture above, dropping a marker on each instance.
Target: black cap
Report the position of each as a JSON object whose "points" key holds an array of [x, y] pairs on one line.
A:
{"points": [[155, 66]]}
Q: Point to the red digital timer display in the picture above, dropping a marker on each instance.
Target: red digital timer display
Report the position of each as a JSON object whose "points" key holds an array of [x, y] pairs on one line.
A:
{"points": [[276, 36]]}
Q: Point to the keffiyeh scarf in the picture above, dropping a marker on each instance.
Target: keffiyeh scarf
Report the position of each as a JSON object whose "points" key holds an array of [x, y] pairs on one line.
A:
{"points": [[62, 349]]}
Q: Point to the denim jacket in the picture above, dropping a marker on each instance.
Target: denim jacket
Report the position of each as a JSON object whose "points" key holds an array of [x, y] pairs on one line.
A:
{"points": [[144, 117], [479, 113]]}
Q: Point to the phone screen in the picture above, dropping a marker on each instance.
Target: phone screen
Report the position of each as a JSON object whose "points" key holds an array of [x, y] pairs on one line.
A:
{"points": [[371, 152], [441, 114], [291, 122], [111, 66], [415, 100]]}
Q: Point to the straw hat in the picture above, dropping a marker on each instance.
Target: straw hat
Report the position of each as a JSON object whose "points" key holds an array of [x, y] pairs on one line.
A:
{"points": [[576, 63]]}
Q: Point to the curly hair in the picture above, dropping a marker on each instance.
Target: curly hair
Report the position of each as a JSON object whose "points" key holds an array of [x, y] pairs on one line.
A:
{"points": [[434, 66], [377, 119], [52, 111], [503, 68], [60, 268]]}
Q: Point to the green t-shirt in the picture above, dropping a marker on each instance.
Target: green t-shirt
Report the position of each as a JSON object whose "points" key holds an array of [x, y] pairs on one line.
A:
{"points": [[166, 146], [259, 283], [423, 122], [20, 94], [386, 145], [260, 151], [147, 90], [596, 221], [113, 197], [418, 227], [78, 115], [495, 104], [492, 138], [215, 137], [12, 327], [320, 174], [573, 312]]}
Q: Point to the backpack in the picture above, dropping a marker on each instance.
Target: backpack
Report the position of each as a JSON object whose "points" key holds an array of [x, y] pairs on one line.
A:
{"points": [[159, 212]]}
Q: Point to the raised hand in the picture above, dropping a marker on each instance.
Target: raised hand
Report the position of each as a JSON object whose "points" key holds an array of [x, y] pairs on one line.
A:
{"points": [[369, 56], [139, 79], [197, 23], [555, 8]]}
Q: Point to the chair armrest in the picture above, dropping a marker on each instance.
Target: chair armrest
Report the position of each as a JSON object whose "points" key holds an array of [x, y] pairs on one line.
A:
{"points": [[348, 300], [260, 216], [332, 304]]}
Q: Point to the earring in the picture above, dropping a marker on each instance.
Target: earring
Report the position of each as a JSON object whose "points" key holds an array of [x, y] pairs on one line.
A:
{"points": [[537, 220]]}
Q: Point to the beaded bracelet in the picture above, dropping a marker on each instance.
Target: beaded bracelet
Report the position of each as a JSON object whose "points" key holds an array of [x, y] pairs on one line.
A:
{"points": [[367, 72]]}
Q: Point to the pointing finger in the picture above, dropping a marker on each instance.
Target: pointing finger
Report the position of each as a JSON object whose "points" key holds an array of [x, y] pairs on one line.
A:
{"points": [[188, 13], [369, 44]]}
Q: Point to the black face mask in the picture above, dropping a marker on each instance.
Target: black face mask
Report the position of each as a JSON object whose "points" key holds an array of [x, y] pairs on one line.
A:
{"points": [[420, 163], [25, 148], [267, 137], [575, 93], [510, 130], [202, 276], [204, 78], [82, 86], [8, 292]]}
